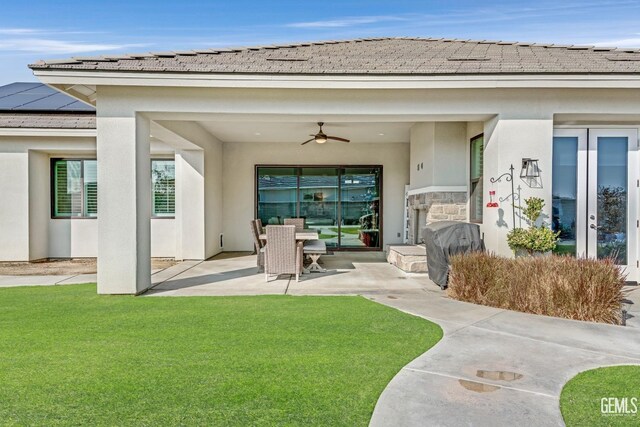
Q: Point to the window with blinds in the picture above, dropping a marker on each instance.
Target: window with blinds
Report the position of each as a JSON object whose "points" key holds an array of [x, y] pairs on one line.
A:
{"points": [[74, 184], [163, 181], [476, 195], [69, 189]]}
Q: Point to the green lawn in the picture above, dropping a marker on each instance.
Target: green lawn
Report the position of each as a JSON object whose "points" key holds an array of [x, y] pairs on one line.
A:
{"points": [[346, 230], [71, 357], [580, 401]]}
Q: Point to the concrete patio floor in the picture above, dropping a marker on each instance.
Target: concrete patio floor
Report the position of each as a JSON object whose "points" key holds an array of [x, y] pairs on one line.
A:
{"points": [[352, 273]]}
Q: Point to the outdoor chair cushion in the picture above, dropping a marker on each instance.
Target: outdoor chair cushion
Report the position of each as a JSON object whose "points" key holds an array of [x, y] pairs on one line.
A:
{"points": [[315, 246]]}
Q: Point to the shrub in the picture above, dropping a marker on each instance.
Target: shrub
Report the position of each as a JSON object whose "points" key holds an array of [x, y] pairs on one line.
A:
{"points": [[560, 286], [535, 238]]}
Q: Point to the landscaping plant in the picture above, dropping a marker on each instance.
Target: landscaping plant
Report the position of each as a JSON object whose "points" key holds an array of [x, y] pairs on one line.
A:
{"points": [[560, 286], [535, 239]]}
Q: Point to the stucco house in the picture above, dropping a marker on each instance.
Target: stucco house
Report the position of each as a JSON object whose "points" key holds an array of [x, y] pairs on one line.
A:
{"points": [[184, 148]]}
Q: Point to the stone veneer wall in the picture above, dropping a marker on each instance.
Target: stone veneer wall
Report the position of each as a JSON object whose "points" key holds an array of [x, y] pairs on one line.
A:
{"points": [[439, 206]]}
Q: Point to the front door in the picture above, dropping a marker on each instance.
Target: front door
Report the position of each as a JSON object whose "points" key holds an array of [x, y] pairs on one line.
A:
{"points": [[595, 184]]}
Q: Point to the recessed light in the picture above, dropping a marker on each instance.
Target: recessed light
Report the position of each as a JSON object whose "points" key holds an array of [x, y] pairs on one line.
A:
{"points": [[258, 134], [381, 134]]}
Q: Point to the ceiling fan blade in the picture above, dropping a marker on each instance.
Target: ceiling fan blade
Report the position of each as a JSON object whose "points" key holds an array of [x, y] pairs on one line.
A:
{"points": [[307, 141], [338, 138]]}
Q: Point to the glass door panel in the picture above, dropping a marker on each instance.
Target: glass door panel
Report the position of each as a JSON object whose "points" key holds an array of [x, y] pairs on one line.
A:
{"points": [[276, 194], [565, 193], [612, 198], [611, 208], [360, 208], [318, 195]]}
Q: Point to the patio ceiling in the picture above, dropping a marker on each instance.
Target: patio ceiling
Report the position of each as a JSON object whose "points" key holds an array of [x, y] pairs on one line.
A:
{"points": [[291, 132]]}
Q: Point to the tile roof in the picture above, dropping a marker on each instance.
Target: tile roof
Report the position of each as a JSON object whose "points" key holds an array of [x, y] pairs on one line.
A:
{"points": [[374, 56], [37, 97], [47, 121]]}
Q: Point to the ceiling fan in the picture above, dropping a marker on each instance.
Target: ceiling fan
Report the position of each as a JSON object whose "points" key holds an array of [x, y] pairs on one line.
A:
{"points": [[321, 137]]}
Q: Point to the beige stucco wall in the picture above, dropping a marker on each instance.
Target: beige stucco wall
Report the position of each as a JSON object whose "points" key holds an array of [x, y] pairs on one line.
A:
{"points": [[507, 141], [239, 179], [14, 209], [27, 231], [438, 154], [78, 238], [199, 202], [213, 197]]}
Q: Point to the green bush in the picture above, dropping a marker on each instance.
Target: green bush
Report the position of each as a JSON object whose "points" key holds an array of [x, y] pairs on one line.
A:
{"points": [[535, 238], [560, 286]]}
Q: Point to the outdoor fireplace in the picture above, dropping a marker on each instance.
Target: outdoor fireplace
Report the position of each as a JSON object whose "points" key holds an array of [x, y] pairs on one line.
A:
{"points": [[429, 206]]}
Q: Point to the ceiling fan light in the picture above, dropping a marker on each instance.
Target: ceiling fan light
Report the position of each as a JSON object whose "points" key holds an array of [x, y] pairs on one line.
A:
{"points": [[321, 139]]}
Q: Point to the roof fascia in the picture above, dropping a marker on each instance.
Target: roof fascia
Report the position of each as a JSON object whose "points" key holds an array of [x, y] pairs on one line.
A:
{"points": [[78, 133], [59, 78]]}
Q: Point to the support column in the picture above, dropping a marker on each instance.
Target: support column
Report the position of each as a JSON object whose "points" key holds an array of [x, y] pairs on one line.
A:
{"points": [[124, 205], [14, 209], [190, 210]]}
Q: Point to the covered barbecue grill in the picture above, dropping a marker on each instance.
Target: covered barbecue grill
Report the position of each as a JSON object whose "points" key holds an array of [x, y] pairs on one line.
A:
{"points": [[445, 238]]}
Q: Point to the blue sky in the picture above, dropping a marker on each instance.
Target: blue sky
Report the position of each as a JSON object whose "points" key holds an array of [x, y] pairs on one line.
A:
{"points": [[34, 29]]}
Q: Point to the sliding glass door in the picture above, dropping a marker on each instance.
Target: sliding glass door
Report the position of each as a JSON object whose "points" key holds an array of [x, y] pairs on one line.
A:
{"points": [[360, 212], [318, 195], [343, 203]]}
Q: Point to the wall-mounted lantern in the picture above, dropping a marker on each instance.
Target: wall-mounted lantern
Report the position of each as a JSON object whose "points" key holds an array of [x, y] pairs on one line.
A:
{"points": [[529, 168]]}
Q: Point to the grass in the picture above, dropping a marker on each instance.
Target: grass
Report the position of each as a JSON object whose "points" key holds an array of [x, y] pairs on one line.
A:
{"points": [[71, 357], [580, 401], [565, 250], [560, 286], [345, 230]]}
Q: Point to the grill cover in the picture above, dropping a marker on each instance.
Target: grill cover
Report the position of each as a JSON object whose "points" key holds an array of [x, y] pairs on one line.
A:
{"points": [[445, 238]]}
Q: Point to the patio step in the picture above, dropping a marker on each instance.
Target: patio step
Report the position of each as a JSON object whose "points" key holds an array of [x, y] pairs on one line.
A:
{"points": [[408, 258]]}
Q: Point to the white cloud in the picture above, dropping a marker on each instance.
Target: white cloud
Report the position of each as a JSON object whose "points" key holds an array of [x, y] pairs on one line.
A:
{"points": [[18, 31], [630, 42], [39, 31], [345, 22], [56, 47]]}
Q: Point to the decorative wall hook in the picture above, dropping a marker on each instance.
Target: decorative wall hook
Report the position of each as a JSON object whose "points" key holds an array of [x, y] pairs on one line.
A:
{"points": [[508, 176]]}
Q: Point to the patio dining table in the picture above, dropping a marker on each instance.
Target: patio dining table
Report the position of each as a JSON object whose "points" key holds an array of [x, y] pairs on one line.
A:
{"points": [[301, 236]]}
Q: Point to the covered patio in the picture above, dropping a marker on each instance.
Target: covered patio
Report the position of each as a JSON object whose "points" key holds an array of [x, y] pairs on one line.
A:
{"points": [[235, 273]]}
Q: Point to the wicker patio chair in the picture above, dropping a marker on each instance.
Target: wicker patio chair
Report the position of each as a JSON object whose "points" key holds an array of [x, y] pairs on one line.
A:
{"points": [[283, 255], [298, 222], [259, 247], [259, 226]]}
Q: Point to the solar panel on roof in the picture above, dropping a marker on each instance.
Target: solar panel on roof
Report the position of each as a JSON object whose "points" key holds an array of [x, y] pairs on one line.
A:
{"points": [[37, 97], [77, 106], [14, 88]]}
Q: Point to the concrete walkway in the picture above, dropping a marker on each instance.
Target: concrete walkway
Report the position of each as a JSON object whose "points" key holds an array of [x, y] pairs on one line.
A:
{"points": [[72, 279], [495, 367]]}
